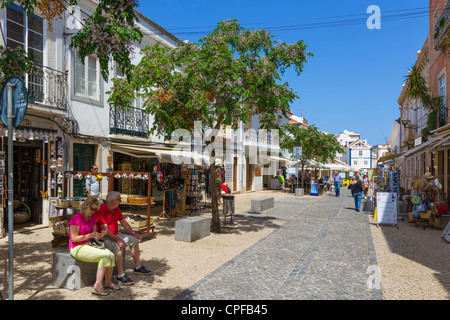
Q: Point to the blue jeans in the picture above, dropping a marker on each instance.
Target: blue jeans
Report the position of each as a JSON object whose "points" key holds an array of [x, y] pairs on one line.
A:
{"points": [[357, 197], [337, 187]]}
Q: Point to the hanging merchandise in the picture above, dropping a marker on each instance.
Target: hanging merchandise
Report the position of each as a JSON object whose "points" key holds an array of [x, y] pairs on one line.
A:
{"points": [[60, 149], [59, 178], [222, 169], [218, 175]]}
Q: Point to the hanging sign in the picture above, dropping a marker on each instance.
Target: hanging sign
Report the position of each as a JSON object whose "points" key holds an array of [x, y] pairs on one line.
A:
{"points": [[20, 100], [387, 208], [298, 152]]}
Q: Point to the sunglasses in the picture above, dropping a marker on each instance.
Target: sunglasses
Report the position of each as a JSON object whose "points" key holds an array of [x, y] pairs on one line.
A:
{"points": [[94, 168], [93, 209]]}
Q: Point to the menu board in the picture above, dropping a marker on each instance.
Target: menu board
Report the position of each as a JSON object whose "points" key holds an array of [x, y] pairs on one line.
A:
{"points": [[387, 208]]}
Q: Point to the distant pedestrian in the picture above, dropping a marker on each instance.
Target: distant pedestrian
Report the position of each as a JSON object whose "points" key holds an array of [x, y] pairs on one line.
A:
{"points": [[352, 184], [357, 189], [337, 179], [366, 185]]}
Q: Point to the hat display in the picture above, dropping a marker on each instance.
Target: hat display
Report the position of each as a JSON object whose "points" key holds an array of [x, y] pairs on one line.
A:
{"points": [[437, 183], [414, 184], [427, 175], [423, 184]]}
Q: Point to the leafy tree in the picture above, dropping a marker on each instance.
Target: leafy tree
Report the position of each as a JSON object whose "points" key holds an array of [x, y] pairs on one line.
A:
{"points": [[416, 88], [316, 145], [108, 33], [230, 75]]}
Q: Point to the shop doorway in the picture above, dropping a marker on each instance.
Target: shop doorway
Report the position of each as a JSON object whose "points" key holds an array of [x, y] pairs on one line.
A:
{"points": [[83, 158], [27, 176]]}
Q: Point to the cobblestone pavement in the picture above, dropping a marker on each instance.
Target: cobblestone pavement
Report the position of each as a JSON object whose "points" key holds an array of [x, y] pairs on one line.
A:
{"points": [[305, 248], [322, 251]]}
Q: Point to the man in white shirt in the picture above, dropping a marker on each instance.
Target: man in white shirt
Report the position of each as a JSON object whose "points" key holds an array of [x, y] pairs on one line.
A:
{"points": [[92, 184]]}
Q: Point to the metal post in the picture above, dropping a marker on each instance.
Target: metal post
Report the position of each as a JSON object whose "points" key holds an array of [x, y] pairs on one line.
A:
{"points": [[10, 191]]}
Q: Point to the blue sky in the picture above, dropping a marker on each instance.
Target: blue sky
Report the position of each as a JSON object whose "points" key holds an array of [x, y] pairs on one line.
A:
{"points": [[356, 75]]}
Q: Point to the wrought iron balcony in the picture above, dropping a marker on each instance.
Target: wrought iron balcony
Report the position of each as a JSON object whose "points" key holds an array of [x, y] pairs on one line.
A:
{"points": [[441, 29], [48, 87], [132, 121]]}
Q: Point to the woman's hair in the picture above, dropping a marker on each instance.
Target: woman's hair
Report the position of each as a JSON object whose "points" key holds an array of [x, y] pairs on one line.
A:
{"points": [[89, 202], [358, 178]]}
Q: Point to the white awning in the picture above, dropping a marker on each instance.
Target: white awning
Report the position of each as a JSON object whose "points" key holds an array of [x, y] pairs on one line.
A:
{"points": [[309, 164], [137, 151], [275, 158], [435, 140], [180, 156], [170, 155]]}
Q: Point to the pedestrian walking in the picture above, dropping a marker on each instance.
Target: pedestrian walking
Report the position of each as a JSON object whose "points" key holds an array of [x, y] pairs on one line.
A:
{"points": [[366, 185], [337, 179], [352, 184], [357, 189]]}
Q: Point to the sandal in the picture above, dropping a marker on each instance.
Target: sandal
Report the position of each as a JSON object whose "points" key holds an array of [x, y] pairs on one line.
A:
{"points": [[114, 288], [94, 291]]}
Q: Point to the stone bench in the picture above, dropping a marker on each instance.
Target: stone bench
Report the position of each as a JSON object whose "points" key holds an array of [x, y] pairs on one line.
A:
{"points": [[193, 228], [73, 274], [261, 204]]}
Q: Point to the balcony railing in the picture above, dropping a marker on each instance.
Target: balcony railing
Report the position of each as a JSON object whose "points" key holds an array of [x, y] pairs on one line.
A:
{"points": [[441, 28], [133, 121], [437, 118], [47, 86]]}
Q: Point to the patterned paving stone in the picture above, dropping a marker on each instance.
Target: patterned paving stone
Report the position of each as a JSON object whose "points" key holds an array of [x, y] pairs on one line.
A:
{"points": [[322, 251]]}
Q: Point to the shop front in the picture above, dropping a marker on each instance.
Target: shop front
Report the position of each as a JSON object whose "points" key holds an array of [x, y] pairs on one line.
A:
{"points": [[37, 153]]}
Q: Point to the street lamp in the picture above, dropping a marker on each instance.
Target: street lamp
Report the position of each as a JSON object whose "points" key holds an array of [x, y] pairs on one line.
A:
{"points": [[405, 123]]}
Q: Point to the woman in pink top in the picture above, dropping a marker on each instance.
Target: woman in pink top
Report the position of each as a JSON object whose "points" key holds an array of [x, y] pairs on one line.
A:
{"points": [[82, 227]]}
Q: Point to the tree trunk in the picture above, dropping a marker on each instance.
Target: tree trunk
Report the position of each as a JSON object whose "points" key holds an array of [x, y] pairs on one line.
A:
{"points": [[214, 197]]}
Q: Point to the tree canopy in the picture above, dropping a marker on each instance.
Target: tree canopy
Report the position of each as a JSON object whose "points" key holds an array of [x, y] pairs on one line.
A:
{"points": [[316, 145], [108, 32], [229, 76]]}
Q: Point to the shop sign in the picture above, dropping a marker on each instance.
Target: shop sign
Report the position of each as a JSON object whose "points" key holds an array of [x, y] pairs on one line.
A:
{"points": [[387, 208], [20, 100], [298, 152], [418, 141]]}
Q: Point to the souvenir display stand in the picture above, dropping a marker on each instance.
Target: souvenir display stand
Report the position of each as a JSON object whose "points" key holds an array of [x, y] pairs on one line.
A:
{"points": [[386, 192], [170, 179], [192, 187], [63, 208], [425, 204]]}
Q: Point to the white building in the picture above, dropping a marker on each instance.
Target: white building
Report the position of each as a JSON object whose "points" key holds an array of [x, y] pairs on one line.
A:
{"points": [[358, 155], [68, 124]]}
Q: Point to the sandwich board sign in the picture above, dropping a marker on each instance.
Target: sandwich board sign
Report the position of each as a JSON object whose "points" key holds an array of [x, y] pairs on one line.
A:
{"points": [[387, 208]]}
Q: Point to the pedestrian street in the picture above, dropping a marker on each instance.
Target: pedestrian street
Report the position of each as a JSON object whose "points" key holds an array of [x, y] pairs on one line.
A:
{"points": [[323, 251]]}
